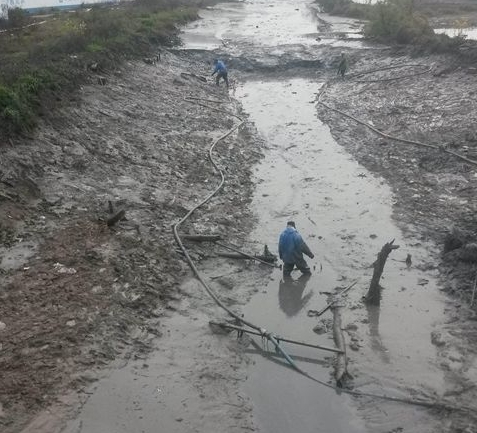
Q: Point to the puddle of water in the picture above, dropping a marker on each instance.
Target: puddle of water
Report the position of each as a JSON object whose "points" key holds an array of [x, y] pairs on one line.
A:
{"points": [[468, 33], [344, 213], [17, 256]]}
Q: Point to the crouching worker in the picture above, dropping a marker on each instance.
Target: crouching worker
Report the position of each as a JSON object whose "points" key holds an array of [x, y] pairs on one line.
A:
{"points": [[291, 248], [221, 71]]}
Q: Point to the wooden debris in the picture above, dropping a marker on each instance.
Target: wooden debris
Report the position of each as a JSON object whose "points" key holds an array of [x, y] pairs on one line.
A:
{"points": [[118, 216], [152, 60], [267, 260], [473, 291], [278, 338], [374, 292], [318, 313], [341, 366], [246, 257], [199, 77]]}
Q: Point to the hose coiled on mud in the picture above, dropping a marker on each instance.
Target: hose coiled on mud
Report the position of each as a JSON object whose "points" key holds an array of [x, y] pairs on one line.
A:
{"points": [[265, 334]]}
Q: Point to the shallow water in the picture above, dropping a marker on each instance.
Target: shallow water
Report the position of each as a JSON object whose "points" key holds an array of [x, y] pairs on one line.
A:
{"points": [[344, 213], [239, 28]]}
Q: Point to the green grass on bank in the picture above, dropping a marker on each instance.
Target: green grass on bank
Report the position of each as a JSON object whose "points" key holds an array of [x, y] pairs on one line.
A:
{"points": [[394, 21], [41, 62]]}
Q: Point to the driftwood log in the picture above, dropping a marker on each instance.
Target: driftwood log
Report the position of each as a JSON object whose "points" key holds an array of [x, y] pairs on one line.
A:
{"points": [[268, 259], [341, 366], [374, 292], [118, 216]]}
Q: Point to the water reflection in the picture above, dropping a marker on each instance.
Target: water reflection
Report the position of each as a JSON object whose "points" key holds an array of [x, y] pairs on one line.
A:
{"points": [[376, 342], [290, 294]]}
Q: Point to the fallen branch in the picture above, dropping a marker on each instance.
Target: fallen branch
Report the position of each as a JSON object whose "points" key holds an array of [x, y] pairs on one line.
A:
{"points": [[270, 260], [341, 370], [240, 256], [473, 291], [315, 313]]}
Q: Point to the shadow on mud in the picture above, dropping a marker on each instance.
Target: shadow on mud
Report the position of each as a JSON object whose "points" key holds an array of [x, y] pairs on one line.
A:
{"points": [[290, 294]]}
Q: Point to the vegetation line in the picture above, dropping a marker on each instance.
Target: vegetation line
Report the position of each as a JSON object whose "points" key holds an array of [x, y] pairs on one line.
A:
{"points": [[396, 22], [40, 64]]}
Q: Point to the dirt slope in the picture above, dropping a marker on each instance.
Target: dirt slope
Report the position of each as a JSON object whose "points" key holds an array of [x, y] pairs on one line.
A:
{"points": [[76, 294]]}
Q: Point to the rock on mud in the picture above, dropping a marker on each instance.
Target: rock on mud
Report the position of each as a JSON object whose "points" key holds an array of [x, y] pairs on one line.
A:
{"points": [[437, 339]]}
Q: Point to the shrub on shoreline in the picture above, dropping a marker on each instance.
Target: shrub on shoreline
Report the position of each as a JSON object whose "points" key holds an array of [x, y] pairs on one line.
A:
{"points": [[394, 21]]}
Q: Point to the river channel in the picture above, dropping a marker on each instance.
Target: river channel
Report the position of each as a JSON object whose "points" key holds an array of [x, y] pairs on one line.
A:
{"points": [[344, 213]]}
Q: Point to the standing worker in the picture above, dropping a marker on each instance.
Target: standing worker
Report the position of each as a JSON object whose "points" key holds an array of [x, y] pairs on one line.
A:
{"points": [[221, 71], [343, 65], [291, 248]]}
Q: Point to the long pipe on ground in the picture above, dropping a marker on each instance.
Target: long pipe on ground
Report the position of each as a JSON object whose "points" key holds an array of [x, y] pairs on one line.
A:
{"points": [[175, 228], [278, 337]]}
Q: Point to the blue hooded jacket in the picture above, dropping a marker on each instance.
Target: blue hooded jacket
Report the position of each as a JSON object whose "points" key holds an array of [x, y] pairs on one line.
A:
{"points": [[220, 67], [291, 246]]}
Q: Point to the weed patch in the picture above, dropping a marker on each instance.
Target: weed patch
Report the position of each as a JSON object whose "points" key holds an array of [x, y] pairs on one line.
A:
{"points": [[51, 56]]}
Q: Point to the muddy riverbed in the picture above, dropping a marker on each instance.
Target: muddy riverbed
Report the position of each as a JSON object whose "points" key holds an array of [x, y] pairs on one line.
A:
{"points": [[139, 144]]}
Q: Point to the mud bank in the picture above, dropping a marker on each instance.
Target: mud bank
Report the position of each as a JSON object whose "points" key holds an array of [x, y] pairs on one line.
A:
{"points": [[433, 191], [75, 293]]}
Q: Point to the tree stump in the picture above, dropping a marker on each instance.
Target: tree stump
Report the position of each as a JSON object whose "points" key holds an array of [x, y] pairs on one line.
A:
{"points": [[118, 216], [374, 292]]}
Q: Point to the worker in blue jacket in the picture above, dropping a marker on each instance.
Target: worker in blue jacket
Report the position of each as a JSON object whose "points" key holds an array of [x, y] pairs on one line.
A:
{"points": [[221, 71], [291, 248]]}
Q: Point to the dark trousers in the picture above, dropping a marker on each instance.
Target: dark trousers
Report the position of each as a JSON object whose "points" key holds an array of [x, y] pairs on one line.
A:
{"points": [[223, 75], [300, 264]]}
